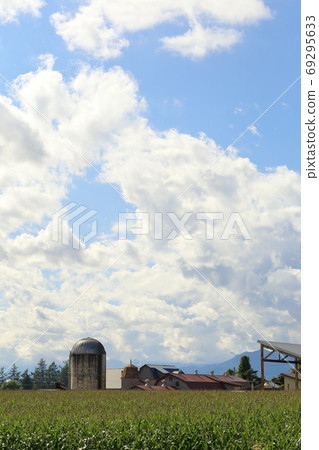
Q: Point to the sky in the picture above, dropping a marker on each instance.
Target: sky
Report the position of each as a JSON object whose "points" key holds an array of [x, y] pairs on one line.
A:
{"points": [[150, 178]]}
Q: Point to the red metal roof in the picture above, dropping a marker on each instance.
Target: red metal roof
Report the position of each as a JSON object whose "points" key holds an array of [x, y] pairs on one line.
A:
{"points": [[194, 381], [207, 382], [232, 380]]}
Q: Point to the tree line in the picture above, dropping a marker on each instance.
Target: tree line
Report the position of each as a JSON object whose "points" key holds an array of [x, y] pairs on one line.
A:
{"points": [[43, 377]]}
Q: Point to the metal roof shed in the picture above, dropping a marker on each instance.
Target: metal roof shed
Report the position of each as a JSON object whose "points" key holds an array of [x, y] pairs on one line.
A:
{"points": [[284, 350]]}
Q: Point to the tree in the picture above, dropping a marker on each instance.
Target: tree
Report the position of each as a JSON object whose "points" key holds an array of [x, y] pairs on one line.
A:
{"points": [[26, 380], [3, 376], [40, 375], [11, 385], [230, 371], [14, 374], [64, 373], [246, 372], [53, 373], [244, 366]]}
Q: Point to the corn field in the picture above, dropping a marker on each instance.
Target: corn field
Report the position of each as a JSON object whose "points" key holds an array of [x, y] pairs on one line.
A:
{"points": [[149, 420]]}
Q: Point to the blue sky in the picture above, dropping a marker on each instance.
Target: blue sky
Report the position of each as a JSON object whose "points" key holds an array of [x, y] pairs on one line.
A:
{"points": [[219, 95], [150, 97]]}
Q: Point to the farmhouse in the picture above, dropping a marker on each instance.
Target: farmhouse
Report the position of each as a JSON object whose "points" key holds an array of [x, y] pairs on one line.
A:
{"points": [[232, 382], [190, 381], [203, 382]]}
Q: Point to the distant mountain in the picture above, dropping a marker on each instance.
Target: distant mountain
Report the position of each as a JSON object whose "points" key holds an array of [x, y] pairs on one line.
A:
{"points": [[271, 369]]}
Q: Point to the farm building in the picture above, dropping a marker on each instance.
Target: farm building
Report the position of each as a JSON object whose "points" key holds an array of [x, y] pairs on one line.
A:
{"points": [[113, 378], [280, 352], [189, 381], [153, 372], [290, 382], [88, 371], [125, 378], [203, 382], [232, 382], [130, 378]]}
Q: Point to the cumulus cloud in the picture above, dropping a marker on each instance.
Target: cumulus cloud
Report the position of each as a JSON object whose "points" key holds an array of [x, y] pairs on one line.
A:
{"points": [[40, 140], [197, 42], [87, 31], [10, 10], [102, 28], [155, 299]]}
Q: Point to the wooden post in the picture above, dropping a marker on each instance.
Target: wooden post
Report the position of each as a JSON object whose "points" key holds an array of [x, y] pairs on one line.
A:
{"points": [[262, 367]]}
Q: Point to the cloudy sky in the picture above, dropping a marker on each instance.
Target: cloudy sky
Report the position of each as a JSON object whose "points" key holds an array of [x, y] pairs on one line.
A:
{"points": [[169, 132]]}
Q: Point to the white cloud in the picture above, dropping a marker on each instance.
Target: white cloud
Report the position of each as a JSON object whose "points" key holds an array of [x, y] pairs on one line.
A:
{"points": [[253, 130], [197, 42], [154, 301], [10, 10], [87, 31], [41, 143], [102, 28], [235, 12]]}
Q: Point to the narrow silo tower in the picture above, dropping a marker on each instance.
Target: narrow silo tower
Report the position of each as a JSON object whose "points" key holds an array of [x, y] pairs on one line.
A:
{"points": [[87, 364], [129, 376]]}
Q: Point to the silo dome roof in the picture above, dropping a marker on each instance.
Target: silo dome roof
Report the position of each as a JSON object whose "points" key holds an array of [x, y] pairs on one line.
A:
{"points": [[88, 346], [130, 371]]}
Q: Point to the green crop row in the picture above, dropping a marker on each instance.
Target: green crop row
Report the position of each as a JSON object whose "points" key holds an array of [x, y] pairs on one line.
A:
{"points": [[149, 420]]}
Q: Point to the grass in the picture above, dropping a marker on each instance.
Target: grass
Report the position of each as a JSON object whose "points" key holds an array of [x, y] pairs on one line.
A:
{"points": [[149, 420]]}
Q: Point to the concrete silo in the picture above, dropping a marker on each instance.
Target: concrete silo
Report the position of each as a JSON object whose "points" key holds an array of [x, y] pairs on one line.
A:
{"points": [[87, 365]]}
